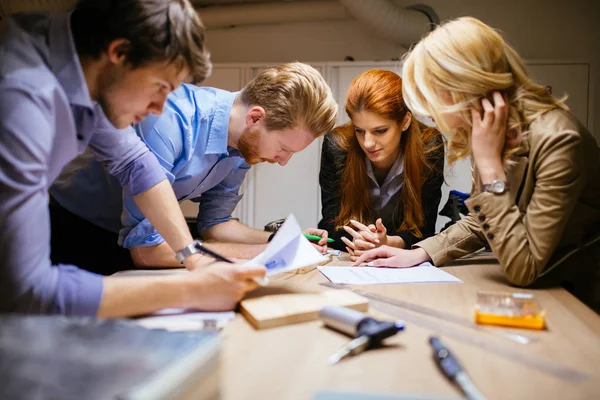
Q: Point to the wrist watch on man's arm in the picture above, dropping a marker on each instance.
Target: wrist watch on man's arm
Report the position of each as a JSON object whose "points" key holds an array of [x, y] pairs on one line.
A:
{"points": [[188, 250]]}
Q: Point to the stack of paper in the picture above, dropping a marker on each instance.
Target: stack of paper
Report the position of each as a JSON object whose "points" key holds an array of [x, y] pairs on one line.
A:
{"points": [[424, 273], [289, 250], [179, 319]]}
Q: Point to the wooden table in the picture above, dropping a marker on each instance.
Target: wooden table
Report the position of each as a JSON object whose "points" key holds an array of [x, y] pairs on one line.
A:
{"points": [[290, 362]]}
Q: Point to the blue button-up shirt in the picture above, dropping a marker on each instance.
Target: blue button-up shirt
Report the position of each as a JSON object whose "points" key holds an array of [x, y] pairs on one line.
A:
{"points": [[190, 141], [46, 118]]}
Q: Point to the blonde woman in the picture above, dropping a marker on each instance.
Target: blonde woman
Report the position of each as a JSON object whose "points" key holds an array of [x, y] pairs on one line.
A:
{"points": [[536, 181]]}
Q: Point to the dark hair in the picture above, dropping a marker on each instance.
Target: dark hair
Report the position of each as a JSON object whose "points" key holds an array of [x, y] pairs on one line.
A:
{"points": [[157, 30]]}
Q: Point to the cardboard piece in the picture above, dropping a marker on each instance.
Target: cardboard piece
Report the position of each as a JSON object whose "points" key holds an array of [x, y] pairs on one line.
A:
{"points": [[291, 308], [308, 268]]}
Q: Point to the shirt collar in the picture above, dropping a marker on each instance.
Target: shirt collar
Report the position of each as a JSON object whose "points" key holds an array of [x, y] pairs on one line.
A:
{"points": [[396, 170], [219, 128], [64, 61]]}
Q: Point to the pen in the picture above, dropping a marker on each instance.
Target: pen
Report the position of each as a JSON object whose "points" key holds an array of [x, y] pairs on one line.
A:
{"points": [[261, 281], [367, 331], [453, 370], [316, 238]]}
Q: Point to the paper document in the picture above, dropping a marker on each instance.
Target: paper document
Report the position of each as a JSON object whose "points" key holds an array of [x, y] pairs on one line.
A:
{"points": [[423, 273], [180, 319], [289, 250]]}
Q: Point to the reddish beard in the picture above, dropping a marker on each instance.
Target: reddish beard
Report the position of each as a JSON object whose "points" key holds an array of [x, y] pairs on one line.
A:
{"points": [[249, 146]]}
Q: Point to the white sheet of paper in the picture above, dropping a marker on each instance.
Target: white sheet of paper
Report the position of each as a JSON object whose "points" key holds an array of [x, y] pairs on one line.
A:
{"points": [[423, 273], [289, 250], [179, 319]]}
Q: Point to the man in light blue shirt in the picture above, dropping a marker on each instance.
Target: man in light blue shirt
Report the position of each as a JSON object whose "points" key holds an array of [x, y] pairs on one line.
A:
{"points": [[206, 139], [72, 81]]}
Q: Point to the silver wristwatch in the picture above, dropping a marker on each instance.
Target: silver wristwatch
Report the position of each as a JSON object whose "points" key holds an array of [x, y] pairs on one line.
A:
{"points": [[188, 251], [497, 187]]}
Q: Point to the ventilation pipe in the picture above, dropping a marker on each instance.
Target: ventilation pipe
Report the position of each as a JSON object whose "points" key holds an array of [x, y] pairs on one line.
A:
{"points": [[391, 22], [399, 25], [219, 17]]}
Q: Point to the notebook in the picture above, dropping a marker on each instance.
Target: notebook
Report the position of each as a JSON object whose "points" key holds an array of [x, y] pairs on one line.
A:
{"points": [[55, 357]]}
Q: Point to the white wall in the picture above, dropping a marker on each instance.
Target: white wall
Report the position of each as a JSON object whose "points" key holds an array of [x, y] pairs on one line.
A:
{"points": [[553, 30], [538, 29]]}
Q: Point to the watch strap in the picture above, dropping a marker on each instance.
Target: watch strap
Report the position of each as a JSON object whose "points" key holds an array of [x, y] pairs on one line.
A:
{"points": [[187, 251]]}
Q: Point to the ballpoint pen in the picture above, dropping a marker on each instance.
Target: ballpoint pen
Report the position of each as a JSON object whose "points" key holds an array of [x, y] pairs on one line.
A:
{"points": [[453, 370], [261, 281]]}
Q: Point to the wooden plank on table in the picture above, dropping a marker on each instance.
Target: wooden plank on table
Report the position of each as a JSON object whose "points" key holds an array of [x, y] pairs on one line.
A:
{"points": [[290, 308]]}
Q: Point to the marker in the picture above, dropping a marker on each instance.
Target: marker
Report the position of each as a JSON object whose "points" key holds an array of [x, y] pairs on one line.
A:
{"points": [[316, 238], [453, 370]]}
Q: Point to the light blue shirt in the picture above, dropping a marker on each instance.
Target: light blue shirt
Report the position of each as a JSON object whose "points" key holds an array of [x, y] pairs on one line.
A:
{"points": [[46, 119], [190, 141]]}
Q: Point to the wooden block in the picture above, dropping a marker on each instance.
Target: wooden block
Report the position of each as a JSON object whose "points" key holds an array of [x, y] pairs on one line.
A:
{"points": [[308, 268], [284, 309]]}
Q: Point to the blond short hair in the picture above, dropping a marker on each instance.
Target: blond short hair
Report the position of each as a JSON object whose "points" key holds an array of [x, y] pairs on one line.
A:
{"points": [[293, 94], [468, 59]]}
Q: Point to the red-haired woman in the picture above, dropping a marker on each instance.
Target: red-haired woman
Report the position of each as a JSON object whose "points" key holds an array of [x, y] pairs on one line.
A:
{"points": [[382, 172]]}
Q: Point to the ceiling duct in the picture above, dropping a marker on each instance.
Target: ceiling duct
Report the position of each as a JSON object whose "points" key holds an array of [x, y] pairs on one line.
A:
{"points": [[397, 24]]}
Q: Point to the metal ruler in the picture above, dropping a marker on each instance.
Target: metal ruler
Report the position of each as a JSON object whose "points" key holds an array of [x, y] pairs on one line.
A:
{"points": [[400, 309], [432, 312]]}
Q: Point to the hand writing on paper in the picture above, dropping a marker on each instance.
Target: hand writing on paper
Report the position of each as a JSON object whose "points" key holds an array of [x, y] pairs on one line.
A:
{"points": [[220, 286], [386, 256], [322, 244]]}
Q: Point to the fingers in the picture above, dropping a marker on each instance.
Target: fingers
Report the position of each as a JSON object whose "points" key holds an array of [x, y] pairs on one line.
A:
{"points": [[250, 285], [363, 245], [358, 225], [321, 249], [500, 109], [380, 262], [372, 228], [350, 251], [348, 243], [371, 255], [365, 233], [358, 244], [488, 111], [250, 271], [352, 232], [380, 227], [318, 232]]}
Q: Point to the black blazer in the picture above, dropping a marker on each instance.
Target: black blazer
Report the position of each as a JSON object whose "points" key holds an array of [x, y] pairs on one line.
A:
{"points": [[333, 161]]}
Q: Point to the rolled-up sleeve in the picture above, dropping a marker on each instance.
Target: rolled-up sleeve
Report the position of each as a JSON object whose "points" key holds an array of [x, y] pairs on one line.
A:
{"points": [[30, 284], [127, 158], [217, 204], [137, 231]]}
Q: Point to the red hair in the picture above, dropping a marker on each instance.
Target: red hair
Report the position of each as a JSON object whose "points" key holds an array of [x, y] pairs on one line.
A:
{"points": [[380, 92]]}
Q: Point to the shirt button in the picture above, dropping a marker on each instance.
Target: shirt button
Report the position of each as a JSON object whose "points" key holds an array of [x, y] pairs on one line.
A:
{"points": [[482, 218], [486, 227], [79, 136], [490, 236], [477, 208]]}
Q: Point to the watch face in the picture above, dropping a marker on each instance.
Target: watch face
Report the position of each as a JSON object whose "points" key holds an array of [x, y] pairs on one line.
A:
{"points": [[497, 186]]}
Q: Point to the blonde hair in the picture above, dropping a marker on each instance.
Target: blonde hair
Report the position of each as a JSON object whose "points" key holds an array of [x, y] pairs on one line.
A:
{"points": [[293, 94], [468, 59]]}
